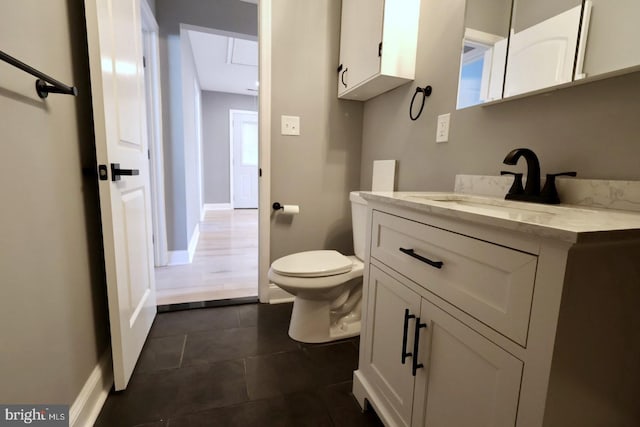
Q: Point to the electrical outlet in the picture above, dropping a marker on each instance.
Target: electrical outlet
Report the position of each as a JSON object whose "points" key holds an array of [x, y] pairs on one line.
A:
{"points": [[290, 125], [442, 132]]}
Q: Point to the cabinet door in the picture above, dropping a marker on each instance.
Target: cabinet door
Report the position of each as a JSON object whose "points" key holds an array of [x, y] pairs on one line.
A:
{"points": [[470, 381], [393, 381], [360, 35]]}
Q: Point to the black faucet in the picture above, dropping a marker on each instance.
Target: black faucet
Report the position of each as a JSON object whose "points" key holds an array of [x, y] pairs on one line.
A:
{"points": [[532, 188], [531, 191]]}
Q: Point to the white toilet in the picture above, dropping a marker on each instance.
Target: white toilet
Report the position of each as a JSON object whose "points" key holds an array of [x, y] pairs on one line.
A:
{"points": [[327, 286]]}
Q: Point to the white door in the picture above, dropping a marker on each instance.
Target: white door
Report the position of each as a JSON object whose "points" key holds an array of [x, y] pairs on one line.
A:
{"points": [[117, 82], [543, 55], [244, 134]]}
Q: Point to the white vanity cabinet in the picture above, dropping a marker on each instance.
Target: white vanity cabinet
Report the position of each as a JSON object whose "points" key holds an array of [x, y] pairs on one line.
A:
{"points": [[457, 378], [378, 40], [468, 323]]}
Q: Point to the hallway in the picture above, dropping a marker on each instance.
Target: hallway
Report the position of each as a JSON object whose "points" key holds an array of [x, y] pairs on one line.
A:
{"points": [[224, 266]]}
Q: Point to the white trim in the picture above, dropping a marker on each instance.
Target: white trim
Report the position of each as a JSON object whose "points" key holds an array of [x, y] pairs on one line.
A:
{"points": [[481, 37], [154, 125], [232, 113], [186, 256], [178, 258], [85, 409], [217, 206], [278, 295], [197, 98], [264, 123], [193, 243]]}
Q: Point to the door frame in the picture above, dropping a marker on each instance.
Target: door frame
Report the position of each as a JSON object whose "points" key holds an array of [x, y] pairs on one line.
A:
{"points": [[264, 126], [149, 27], [197, 108], [232, 113], [264, 146]]}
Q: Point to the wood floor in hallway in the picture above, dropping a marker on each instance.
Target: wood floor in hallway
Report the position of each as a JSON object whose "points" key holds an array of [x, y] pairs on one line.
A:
{"points": [[225, 264]]}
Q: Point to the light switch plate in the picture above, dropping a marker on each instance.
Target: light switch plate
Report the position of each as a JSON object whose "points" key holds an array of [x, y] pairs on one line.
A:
{"points": [[290, 125], [442, 132]]}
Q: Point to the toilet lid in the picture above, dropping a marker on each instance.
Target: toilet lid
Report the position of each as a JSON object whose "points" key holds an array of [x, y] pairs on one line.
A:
{"points": [[312, 264]]}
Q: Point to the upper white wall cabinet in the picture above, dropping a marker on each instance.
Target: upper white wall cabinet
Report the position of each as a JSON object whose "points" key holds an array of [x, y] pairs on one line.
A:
{"points": [[378, 44], [551, 44]]}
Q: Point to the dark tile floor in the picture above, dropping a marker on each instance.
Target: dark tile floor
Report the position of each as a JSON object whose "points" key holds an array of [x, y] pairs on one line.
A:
{"points": [[236, 366]]}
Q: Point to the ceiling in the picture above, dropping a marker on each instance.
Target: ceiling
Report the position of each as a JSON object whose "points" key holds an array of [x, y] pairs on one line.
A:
{"points": [[225, 64]]}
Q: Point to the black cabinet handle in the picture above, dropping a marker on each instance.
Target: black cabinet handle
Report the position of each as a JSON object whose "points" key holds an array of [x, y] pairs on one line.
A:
{"points": [[411, 253], [116, 172], [342, 76], [405, 332], [416, 343]]}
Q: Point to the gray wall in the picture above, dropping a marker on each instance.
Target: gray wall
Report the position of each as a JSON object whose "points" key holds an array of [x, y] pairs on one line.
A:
{"points": [[215, 141], [317, 169], [152, 5], [191, 120], [490, 16], [592, 128], [53, 319], [228, 15]]}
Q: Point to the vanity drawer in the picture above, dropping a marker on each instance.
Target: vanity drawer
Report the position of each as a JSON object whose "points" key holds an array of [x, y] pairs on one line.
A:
{"points": [[492, 283]]}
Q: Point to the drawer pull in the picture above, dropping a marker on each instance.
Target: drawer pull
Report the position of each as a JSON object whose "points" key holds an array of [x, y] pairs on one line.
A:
{"points": [[416, 341], [411, 253], [405, 332]]}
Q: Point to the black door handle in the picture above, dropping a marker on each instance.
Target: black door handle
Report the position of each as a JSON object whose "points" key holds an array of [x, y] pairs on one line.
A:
{"points": [[116, 172], [405, 332], [416, 343], [411, 253]]}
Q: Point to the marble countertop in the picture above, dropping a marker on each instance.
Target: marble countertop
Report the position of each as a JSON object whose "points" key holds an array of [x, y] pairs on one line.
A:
{"points": [[572, 223]]}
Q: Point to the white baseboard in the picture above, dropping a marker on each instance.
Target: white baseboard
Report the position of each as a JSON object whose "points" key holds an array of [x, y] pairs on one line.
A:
{"points": [[278, 295], [178, 257], [85, 409], [217, 206], [193, 242], [186, 257]]}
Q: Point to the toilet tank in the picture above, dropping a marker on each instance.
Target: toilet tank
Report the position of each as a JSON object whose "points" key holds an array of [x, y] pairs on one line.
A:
{"points": [[359, 222]]}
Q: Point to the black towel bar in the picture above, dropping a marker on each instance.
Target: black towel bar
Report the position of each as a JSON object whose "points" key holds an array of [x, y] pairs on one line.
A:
{"points": [[42, 88]]}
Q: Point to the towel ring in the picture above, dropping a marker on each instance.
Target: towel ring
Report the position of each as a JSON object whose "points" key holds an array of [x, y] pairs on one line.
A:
{"points": [[426, 91]]}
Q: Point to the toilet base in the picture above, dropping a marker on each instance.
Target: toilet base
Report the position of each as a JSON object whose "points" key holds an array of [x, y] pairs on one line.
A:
{"points": [[311, 322]]}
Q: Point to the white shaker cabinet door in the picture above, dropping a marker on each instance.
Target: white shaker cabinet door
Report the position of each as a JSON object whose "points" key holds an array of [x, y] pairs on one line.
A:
{"points": [[470, 381], [389, 302], [361, 34]]}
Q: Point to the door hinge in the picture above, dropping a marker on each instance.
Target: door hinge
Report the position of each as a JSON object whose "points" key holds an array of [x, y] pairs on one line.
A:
{"points": [[380, 49], [144, 61], [259, 172], [149, 154]]}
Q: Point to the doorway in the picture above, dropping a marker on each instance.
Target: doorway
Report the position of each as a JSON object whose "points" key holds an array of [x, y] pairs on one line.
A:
{"points": [[220, 103]]}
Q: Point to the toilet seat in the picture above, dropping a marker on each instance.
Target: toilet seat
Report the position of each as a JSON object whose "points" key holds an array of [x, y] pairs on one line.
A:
{"points": [[312, 264], [322, 282]]}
